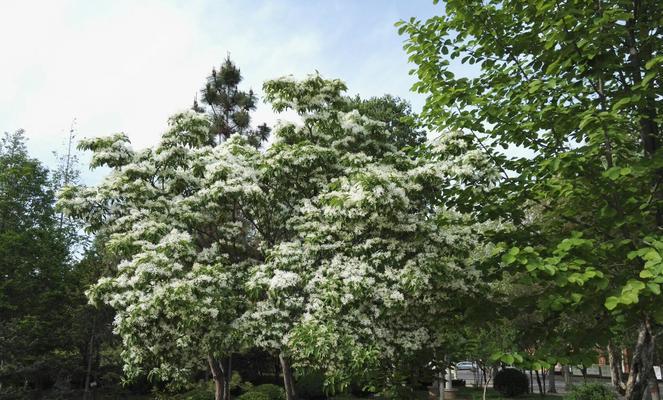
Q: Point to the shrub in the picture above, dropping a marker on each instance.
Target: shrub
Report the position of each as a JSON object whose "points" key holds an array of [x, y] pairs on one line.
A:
{"points": [[456, 383], [591, 391], [237, 385], [274, 392], [311, 387], [254, 396], [511, 382], [197, 394]]}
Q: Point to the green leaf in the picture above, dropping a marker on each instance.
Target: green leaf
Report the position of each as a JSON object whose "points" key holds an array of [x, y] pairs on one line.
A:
{"points": [[648, 77], [507, 359], [654, 61], [612, 173], [621, 103], [611, 302], [646, 274], [654, 288]]}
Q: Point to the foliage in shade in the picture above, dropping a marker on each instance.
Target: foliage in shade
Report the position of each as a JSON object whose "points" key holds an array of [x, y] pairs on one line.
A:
{"points": [[274, 392], [36, 343], [591, 391], [511, 382], [252, 395]]}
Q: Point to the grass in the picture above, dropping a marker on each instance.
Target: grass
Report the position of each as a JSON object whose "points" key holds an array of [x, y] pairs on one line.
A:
{"points": [[477, 394]]}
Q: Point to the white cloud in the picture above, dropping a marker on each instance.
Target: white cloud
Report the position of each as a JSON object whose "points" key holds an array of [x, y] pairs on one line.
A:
{"points": [[127, 65]]}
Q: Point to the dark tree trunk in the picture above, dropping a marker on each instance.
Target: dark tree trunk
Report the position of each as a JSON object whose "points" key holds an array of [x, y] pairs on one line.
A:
{"points": [[538, 382], [566, 372], [552, 387], [228, 376], [616, 376], [219, 378], [642, 363], [90, 353], [277, 371], [583, 370], [654, 389], [288, 380]]}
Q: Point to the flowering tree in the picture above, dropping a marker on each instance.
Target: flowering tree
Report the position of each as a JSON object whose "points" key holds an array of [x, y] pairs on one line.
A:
{"points": [[172, 215], [371, 262], [349, 248]]}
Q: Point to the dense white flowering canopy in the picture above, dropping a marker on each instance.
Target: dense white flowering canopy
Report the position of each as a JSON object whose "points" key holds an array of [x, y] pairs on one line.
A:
{"points": [[173, 215], [332, 246]]}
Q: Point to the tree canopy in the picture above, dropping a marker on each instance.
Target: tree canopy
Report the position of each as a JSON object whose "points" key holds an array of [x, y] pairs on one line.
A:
{"points": [[572, 90]]}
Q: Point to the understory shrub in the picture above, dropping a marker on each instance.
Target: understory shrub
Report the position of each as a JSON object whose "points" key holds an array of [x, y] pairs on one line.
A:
{"points": [[311, 387], [197, 394], [254, 396], [456, 383], [591, 391], [511, 382], [272, 391]]}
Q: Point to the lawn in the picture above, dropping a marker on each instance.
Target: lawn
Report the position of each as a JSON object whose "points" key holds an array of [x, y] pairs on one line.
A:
{"points": [[476, 394]]}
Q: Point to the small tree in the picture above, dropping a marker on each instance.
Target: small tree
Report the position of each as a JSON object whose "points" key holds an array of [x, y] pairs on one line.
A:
{"points": [[228, 107]]}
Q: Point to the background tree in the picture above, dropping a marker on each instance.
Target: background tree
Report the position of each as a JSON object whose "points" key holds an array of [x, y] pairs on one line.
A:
{"points": [[228, 107], [396, 113], [36, 348], [573, 89]]}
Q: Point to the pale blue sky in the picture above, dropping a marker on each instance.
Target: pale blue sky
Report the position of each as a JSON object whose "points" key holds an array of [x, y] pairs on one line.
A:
{"points": [[126, 65]]}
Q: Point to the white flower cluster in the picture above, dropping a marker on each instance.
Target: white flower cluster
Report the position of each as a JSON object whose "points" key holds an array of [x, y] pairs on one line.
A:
{"points": [[331, 240]]}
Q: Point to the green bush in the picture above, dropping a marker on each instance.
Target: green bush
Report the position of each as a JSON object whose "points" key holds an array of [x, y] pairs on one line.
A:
{"points": [[311, 387], [511, 382], [274, 392], [254, 396], [591, 391], [197, 394]]}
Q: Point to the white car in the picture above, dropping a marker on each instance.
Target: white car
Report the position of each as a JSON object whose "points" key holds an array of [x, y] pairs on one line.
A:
{"points": [[466, 365]]}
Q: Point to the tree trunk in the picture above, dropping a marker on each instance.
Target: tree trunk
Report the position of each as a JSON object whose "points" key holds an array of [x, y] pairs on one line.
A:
{"points": [[583, 370], [531, 382], [654, 389], [440, 385], [566, 373], [90, 353], [642, 363], [228, 376], [219, 378], [552, 386], [615, 362], [288, 381], [538, 382], [277, 371]]}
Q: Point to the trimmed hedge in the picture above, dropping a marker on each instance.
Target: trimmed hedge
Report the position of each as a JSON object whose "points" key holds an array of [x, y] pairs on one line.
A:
{"points": [[511, 382]]}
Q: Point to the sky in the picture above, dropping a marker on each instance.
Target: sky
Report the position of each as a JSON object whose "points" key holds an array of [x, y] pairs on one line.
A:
{"points": [[127, 65]]}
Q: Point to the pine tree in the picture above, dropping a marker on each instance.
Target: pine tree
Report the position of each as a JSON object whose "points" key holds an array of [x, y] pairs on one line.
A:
{"points": [[229, 107]]}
